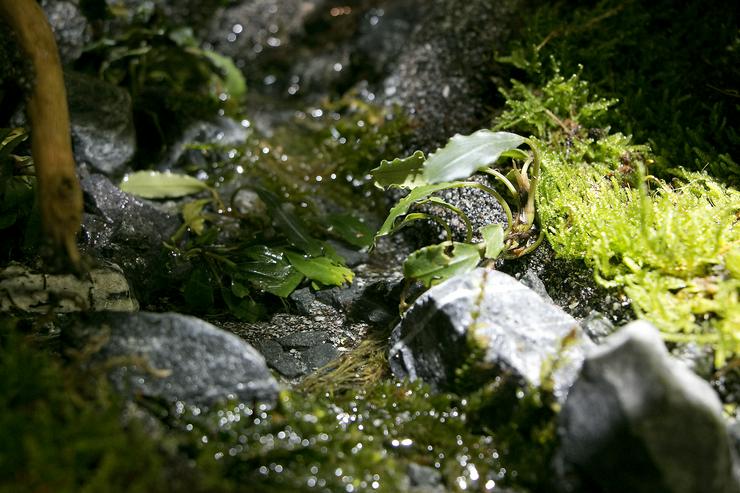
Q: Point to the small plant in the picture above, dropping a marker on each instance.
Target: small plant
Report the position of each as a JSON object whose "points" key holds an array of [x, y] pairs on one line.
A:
{"points": [[447, 169], [274, 261]]}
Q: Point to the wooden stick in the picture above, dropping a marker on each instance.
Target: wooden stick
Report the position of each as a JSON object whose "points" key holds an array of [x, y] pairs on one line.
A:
{"points": [[59, 193]]}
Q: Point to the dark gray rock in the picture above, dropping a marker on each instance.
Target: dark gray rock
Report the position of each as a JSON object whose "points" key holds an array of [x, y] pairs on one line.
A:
{"points": [[171, 357], [597, 326], [637, 420], [319, 355], [304, 339], [372, 299], [130, 231], [102, 123], [487, 318], [447, 66], [288, 365]]}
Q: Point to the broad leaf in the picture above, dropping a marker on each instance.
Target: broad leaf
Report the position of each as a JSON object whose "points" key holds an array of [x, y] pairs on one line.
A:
{"points": [[433, 264], [414, 196], [493, 237], [156, 185], [291, 226], [350, 229], [401, 172], [269, 271], [320, 269], [197, 291], [233, 78], [465, 154]]}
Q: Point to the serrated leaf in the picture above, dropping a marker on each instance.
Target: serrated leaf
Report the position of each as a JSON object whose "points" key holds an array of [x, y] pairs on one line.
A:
{"points": [[269, 271], [320, 269], [414, 196], [290, 225], [433, 264], [465, 154], [350, 229], [157, 185], [493, 237], [401, 172]]}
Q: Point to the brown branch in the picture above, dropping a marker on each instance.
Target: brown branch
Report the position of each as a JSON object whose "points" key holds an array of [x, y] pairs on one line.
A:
{"points": [[59, 193]]}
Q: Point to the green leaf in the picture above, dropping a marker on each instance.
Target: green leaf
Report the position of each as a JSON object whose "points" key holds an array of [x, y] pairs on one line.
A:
{"points": [[434, 264], [191, 214], [242, 308], [157, 185], [493, 237], [401, 172], [291, 226], [350, 229], [269, 271], [197, 291], [414, 196], [320, 269], [234, 82], [465, 154]]}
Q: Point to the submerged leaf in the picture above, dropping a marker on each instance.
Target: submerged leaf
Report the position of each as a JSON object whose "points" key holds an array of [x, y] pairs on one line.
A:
{"points": [[320, 269], [465, 154], [157, 185], [269, 271], [401, 172], [290, 225], [434, 264], [350, 229], [493, 237]]}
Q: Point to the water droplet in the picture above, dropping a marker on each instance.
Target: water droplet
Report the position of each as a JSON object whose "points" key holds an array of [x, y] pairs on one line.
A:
{"points": [[237, 28], [273, 41], [337, 67]]}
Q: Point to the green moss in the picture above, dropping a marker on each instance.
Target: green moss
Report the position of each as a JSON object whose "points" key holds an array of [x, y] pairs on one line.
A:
{"points": [[60, 434], [669, 245], [673, 66]]}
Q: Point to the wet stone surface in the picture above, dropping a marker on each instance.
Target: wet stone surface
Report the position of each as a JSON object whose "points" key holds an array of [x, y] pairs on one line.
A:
{"points": [[170, 356]]}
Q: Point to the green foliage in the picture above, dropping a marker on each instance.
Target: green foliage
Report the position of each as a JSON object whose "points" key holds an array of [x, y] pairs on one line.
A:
{"points": [[462, 156], [156, 185], [17, 191], [667, 244], [674, 67], [171, 79], [59, 435]]}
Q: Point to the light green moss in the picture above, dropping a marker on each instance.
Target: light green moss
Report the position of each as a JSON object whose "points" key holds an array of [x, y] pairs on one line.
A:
{"points": [[669, 245]]}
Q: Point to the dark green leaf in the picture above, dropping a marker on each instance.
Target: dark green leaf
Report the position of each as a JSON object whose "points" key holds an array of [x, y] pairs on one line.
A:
{"points": [[269, 271], [401, 172], [465, 154], [350, 229], [242, 308], [198, 292], [290, 225], [493, 237], [434, 264], [320, 269], [156, 185]]}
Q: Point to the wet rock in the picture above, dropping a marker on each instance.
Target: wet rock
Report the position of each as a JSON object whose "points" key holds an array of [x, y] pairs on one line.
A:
{"points": [[303, 340], [25, 290], [71, 28], [637, 420], [102, 123], [447, 66], [319, 355], [570, 284], [487, 320], [221, 132], [288, 365], [131, 231], [597, 326], [171, 357]]}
